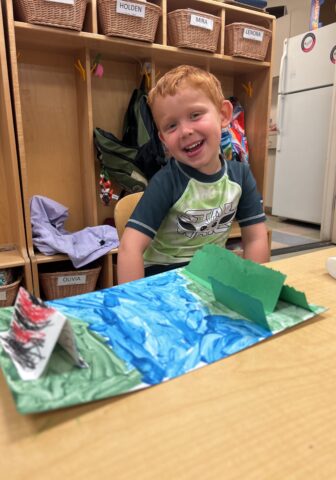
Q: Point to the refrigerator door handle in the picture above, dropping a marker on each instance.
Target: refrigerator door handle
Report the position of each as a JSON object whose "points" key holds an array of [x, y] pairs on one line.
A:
{"points": [[283, 62], [281, 101]]}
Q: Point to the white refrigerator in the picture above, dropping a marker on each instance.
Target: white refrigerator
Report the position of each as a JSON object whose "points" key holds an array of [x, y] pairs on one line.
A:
{"points": [[303, 113]]}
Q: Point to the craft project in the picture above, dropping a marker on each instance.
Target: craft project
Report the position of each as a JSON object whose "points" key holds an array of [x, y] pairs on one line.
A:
{"points": [[146, 332], [34, 331]]}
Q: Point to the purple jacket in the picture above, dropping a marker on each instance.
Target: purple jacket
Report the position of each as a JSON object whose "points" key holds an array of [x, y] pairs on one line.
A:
{"points": [[50, 237]]}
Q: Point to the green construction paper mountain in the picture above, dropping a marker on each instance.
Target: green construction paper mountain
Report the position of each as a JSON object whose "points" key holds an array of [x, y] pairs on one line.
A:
{"points": [[246, 276], [246, 287]]}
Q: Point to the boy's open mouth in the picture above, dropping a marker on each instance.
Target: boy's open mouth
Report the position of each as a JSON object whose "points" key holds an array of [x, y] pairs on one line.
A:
{"points": [[194, 147]]}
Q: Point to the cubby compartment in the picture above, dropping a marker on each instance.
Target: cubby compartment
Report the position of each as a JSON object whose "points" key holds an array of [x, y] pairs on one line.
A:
{"points": [[252, 19], [247, 86], [51, 98], [195, 24], [110, 97], [13, 251], [247, 40], [78, 15], [193, 29], [10, 281], [134, 19], [53, 130], [55, 146], [56, 14], [61, 279]]}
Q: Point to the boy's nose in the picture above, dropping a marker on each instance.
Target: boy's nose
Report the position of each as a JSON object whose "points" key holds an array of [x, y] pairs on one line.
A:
{"points": [[186, 129]]}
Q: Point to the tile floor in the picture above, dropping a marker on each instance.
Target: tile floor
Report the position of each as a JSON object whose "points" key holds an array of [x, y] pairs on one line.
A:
{"points": [[291, 237], [305, 232], [295, 253]]}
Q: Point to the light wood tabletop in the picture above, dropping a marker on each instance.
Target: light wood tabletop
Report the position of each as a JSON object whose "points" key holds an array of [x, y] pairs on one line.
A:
{"points": [[268, 412]]}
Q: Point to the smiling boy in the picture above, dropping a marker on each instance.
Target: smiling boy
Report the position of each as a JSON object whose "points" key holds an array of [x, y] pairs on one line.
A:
{"points": [[194, 199]]}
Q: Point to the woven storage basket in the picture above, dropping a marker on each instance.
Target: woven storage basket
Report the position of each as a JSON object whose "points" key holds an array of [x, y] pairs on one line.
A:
{"points": [[67, 284], [246, 40], [8, 293], [182, 34], [118, 24], [56, 14]]}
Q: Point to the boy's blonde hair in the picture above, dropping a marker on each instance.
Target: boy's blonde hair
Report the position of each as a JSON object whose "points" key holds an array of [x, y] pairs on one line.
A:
{"points": [[187, 75]]}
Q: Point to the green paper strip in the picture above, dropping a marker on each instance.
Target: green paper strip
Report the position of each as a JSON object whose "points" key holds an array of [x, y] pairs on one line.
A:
{"points": [[247, 306], [291, 295]]}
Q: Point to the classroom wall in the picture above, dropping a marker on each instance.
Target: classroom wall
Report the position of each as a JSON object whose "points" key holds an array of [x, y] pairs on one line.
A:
{"points": [[299, 11]]}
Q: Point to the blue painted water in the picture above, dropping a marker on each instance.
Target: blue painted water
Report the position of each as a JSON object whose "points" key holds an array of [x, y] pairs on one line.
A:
{"points": [[159, 327]]}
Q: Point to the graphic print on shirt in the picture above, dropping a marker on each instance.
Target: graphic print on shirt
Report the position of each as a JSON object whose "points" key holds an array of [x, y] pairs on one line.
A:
{"points": [[195, 223]]}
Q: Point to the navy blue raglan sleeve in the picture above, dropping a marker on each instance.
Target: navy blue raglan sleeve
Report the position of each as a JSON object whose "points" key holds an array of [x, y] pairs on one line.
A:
{"points": [[155, 203], [250, 208]]}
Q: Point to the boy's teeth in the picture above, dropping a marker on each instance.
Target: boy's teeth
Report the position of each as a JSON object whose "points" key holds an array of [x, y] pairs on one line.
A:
{"points": [[192, 146]]}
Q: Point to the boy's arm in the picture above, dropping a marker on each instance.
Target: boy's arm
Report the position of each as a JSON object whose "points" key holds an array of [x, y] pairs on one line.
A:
{"points": [[255, 243], [130, 255]]}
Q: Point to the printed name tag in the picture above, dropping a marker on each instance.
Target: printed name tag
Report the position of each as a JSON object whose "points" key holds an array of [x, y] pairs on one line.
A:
{"points": [[71, 280], [202, 22], [68, 2], [128, 8], [253, 34], [3, 295]]}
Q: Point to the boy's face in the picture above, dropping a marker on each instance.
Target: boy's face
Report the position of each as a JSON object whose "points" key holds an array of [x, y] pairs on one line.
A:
{"points": [[190, 126]]}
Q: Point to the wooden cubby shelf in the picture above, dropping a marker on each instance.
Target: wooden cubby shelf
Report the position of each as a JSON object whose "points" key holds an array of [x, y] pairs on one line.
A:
{"points": [[56, 111], [13, 251], [46, 38]]}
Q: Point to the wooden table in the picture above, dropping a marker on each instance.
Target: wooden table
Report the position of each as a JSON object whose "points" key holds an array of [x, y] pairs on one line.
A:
{"points": [[268, 412]]}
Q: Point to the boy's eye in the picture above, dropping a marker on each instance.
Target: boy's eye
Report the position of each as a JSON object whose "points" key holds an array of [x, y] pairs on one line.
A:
{"points": [[195, 115], [170, 127]]}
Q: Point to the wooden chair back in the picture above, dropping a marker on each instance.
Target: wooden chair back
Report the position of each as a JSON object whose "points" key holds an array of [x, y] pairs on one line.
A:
{"points": [[124, 209]]}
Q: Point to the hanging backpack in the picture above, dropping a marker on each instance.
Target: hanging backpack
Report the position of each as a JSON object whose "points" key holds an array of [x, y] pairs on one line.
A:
{"points": [[139, 129], [138, 125], [117, 163], [132, 161]]}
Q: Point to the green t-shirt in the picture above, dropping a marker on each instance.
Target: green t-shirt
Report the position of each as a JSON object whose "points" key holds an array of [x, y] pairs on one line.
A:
{"points": [[183, 209]]}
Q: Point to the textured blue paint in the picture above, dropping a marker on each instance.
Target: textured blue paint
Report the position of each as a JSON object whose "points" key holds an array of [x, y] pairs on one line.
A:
{"points": [[159, 327]]}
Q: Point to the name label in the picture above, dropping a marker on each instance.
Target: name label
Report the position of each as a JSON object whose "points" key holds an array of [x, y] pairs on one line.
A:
{"points": [[67, 2], [252, 34], [71, 280], [3, 295], [129, 8], [201, 22]]}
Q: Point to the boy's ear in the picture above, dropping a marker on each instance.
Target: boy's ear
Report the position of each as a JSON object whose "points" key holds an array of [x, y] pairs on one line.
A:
{"points": [[226, 113], [161, 137], [165, 148]]}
